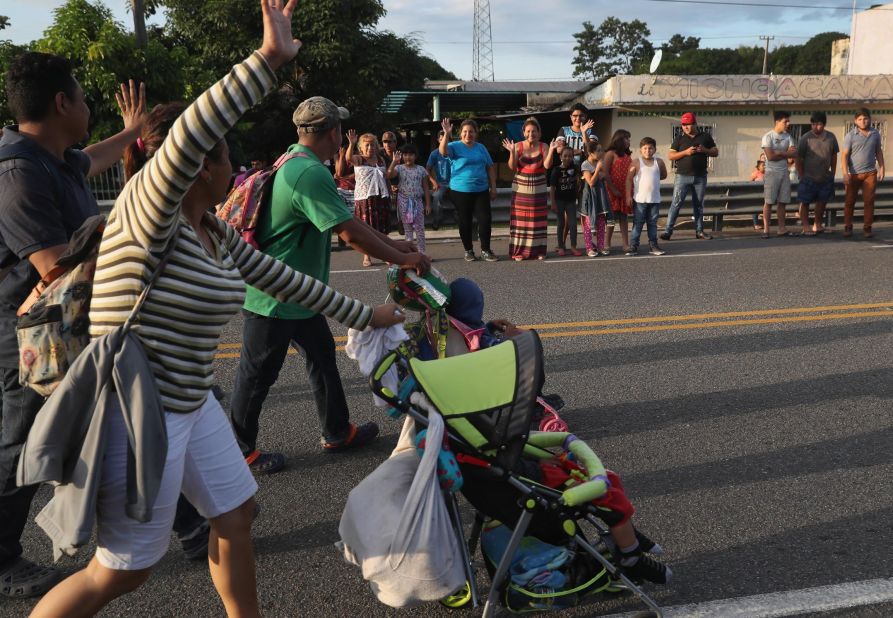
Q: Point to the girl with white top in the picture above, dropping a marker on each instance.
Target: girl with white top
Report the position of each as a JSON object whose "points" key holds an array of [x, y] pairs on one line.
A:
{"points": [[372, 194], [643, 186]]}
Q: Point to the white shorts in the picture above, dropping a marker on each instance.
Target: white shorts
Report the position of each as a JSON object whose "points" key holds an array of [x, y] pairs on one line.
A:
{"points": [[203, 462]]}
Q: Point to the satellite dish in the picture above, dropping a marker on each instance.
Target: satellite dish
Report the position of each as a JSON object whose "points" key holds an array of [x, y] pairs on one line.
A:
{"points": [[655, 62]]}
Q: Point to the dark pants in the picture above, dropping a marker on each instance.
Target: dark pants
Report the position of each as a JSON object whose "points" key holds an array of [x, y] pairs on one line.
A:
{"points": [[475, 205], [265, 342], [567, 222], [18, 407]]}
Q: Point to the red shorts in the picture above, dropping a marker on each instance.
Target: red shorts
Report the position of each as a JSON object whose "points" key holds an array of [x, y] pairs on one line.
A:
{"points": [[615, 507]]}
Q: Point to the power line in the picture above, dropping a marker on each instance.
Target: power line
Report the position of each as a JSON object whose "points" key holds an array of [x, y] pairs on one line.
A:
{"points": [[770, 6]]}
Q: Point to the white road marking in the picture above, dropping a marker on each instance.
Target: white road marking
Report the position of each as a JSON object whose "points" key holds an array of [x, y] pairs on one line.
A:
{"points": [[640, 256], [789, 603], [359, 270], [890, 246]]}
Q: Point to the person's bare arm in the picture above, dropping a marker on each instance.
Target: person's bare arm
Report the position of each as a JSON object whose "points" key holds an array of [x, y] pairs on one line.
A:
{"points": [[663, 169], [365, 239], [630, 177], [844, 168], [880, 163], [491, 178], [550, 155], [833, 165], [675, 155], [607, 162], [432, 178], [447, 127], [427, 191], [132, 103]]}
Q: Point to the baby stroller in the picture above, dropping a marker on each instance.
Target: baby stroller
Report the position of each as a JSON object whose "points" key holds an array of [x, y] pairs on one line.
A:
{"points": [[486, 400]]}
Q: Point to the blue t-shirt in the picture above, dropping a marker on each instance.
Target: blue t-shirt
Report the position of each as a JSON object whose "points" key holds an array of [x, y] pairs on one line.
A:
{"points": [[468, 167], [441, 167], [862, 150]]}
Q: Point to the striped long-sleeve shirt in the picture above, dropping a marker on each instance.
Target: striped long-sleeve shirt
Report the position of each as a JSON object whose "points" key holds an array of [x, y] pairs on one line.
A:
{"points": [[197, 294]]}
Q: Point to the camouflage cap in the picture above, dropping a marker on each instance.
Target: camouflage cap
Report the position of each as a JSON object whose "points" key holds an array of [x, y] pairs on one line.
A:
{"points": [[318, 114]]}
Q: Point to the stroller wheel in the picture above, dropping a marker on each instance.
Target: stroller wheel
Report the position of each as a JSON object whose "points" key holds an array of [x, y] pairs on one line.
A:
{"points": [[458, 599]]}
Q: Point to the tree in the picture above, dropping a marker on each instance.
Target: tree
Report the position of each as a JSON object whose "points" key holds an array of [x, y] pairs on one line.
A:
{"points": [[811, 58], [616, 48], [104, 54], [4, 22], [678, 44], [343, 58]]}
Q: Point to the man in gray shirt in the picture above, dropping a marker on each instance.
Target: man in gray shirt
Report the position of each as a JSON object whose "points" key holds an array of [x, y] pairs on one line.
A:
{"points": [[816, 164], [863, 167]]}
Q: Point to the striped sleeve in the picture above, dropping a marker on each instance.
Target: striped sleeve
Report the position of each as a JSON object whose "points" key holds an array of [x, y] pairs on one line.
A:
{"points": [[149, 205], [287, 285]]}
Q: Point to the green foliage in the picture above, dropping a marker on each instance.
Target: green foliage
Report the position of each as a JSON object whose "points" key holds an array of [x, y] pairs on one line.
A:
{"points": [[104, 55], [678, 44], [616, 48], [4, 22], [343, 58], [811, 58], [8, 51], [714, 61]]}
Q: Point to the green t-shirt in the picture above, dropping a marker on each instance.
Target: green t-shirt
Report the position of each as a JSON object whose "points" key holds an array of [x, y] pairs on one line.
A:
{"points": [[304, 196]]}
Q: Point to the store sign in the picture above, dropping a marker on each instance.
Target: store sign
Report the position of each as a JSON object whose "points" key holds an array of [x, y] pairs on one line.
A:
{"points": [[744, 88]]}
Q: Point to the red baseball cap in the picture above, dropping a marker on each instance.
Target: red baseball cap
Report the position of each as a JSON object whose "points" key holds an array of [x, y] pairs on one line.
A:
{"points": [[688, 118]]}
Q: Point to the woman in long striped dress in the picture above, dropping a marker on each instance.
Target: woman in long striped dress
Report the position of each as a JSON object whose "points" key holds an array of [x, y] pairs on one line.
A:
{"points": [[530, 196]]}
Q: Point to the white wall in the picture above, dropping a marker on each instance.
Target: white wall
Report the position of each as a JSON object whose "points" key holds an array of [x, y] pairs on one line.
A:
{"points": [[871, 46]]}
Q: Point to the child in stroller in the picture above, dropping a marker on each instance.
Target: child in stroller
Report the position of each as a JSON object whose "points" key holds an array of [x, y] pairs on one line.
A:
{"points": [[549, 473]]}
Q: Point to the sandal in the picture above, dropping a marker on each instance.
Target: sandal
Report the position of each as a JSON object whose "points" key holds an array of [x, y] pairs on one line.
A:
{"points": [[541, 257], [788, 234], [367, 263], [26, 579], [765, 236]]}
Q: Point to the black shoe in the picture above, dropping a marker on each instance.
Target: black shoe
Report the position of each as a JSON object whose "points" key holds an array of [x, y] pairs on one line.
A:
{"points": [[665, 236], [359, 435], [264, 463], [195, 544], [23, 579], [489, 256], [648, 546], [632, 251], [703, 236], [656, 250], [648, 569], [470, 256]]}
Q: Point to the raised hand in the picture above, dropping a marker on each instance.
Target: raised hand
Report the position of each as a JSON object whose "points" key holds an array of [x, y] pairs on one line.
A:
{"points": [[447, 127], [508, 145], [132, 103], [553, 145], [587, 125], [278, 46], [352, 136]]}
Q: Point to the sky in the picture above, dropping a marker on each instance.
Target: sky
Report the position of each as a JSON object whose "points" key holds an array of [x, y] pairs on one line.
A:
{"points": [[534, 40]]}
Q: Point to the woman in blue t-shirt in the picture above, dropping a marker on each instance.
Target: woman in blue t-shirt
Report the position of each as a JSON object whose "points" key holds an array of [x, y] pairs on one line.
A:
{"points": [[472, 184]]}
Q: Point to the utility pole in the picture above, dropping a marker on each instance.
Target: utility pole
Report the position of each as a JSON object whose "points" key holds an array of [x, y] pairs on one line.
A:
{"points": [[766, 53], [482, 68]]}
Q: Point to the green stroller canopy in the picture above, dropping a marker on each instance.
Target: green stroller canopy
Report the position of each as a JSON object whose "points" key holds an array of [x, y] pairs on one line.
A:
{"points": [[487, 397]]}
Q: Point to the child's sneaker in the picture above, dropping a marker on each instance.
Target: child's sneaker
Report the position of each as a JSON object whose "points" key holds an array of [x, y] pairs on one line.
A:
{"points": [[592, 253], [656, 250], [648, 546], [646, 568], [605, 252]]}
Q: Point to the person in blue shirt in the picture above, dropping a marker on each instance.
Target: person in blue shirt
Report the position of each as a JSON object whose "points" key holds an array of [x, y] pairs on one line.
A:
{"points": [[472, 185], [438, 167]]}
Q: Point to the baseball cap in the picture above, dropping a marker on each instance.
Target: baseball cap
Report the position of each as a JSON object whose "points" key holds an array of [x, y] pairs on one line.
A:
{"points": [[688, 118], [318, 114]]}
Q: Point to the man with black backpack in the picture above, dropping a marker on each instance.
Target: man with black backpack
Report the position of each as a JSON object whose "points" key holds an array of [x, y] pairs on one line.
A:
{"points": [[44, 199], [296, 227]]}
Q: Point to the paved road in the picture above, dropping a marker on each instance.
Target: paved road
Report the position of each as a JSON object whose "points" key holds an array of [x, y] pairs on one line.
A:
{"points": [[757, 447]]}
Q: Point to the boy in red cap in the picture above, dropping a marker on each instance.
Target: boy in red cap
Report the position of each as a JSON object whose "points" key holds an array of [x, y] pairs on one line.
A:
{"points": [[690, 151]]}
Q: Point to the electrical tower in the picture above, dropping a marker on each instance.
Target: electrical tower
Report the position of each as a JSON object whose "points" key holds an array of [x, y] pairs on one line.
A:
{"points": [[483, 42]]}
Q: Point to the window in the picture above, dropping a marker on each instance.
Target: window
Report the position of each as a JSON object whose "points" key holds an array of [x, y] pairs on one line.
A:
{"points": [[703, 128], [798, 130]]}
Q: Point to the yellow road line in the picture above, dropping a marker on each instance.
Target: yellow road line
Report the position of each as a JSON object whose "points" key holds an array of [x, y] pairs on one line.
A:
{"points": [[708, 316], [719, 324], [668, 327]]}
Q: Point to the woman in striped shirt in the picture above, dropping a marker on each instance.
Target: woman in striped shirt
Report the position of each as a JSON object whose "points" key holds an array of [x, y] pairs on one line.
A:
{"points": [[186, 171]]}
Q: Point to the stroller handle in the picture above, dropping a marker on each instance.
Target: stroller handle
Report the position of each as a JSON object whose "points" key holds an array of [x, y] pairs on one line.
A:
{"points": [[384, 365]]}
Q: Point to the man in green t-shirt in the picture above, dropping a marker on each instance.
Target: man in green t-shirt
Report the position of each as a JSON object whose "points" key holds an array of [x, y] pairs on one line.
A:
{"points": [[296, 228]]}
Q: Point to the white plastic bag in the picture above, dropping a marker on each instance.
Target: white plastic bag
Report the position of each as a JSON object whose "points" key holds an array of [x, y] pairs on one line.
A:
{"points": [[396, 527]]}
